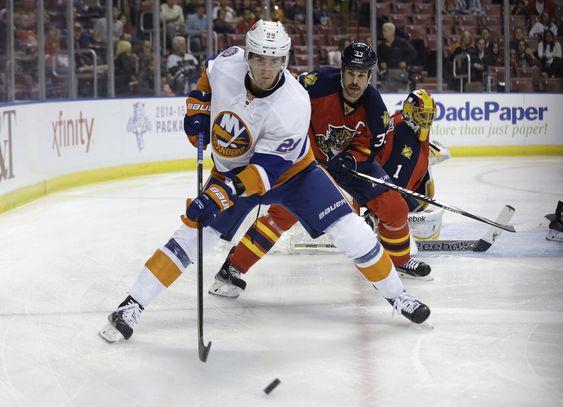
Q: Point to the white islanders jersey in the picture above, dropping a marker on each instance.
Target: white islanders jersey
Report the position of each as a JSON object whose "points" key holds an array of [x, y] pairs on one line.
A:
{"points": [[268, 132]]}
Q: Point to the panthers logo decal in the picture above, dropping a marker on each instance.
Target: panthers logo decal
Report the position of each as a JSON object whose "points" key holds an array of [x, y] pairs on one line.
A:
{"points": [[407, 152], [336, 139], [310, 79], [230, 136]]}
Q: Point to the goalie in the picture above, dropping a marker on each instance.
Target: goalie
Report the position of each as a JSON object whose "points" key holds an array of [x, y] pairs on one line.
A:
{"points": [[340, 125]]}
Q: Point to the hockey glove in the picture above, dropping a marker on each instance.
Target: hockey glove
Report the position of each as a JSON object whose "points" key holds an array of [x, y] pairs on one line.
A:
{"points": [[196, 119], [218, 197], [339, 167]]}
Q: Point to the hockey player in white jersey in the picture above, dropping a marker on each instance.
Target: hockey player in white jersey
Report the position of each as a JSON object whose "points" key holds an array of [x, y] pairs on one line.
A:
{"points": [[255, 116]]}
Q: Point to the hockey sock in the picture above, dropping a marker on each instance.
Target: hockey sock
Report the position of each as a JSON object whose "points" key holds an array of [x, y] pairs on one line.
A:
{"points": [[257, 241]]}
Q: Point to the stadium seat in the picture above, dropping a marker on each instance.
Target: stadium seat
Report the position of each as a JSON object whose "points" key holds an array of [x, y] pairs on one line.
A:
{"points": [[550, 85], [402, 8], [532, 72], [424, 8], [522, 85]]}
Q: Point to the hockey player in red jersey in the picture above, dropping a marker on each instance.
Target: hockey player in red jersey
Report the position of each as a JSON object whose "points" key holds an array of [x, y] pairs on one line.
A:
{"points": [[255, 116], [348, 127]]}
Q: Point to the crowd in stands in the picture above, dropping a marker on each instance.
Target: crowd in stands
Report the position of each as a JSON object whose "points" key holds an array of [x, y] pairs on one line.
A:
{"points": [[406, 42]]}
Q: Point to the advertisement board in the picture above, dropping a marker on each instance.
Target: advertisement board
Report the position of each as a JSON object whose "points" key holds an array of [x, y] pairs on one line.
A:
{"points": [[43, 141]]}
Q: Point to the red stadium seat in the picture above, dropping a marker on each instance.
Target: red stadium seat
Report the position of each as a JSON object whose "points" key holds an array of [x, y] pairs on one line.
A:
{"points": [[550, 85], [402, 8], [522, 85]]}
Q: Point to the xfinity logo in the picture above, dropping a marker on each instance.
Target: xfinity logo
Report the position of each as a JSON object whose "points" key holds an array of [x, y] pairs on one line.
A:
{"points": [[7, 119], [72, 132]]}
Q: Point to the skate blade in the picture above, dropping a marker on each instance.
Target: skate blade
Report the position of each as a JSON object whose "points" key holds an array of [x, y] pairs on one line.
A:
{"points": [[427, 324], [428, 277], [110, 334], [225, 290]]}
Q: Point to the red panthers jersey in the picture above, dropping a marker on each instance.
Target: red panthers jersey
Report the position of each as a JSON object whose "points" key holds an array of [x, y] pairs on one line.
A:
{"points": [[404, 157], [338, 126]]}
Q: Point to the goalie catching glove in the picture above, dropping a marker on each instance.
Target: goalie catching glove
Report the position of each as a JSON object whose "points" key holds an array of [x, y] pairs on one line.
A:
{"points": [[196, 120], [218, 197]]}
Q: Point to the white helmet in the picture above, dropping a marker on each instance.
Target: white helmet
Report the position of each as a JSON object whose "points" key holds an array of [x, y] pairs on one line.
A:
{"points": [[268, 38]]}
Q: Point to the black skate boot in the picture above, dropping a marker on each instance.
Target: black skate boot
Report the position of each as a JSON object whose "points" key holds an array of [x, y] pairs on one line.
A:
{"points": [[410, 307], [415, 269], [122, 321], [227, 281]]}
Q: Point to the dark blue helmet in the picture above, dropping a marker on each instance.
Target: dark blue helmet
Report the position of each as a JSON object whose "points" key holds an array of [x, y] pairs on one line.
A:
{"points": [[359, 55]]}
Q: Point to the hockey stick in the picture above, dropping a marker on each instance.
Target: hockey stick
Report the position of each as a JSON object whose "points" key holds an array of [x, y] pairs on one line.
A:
{"points": [[480, 245], [509, 228], [202, 349]]}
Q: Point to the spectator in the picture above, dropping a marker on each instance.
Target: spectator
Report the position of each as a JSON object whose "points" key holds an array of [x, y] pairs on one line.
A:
{"points": [[395, 52], [242, 7], [496, 57], [479, 60], [146, 69], [536, 7], [220, 26], [334, 57], [544, 23], [172, 16], [449, 7], [100, 30], [549, 52], [463, 47], [525, 57], [469, 7], [126, 68], [276, 13], [486, 35], [518, 34], [196, 24], [296, 11], [321, 14], [182, 68], [248, 20], [230, 14], [520, 8], [188, 7]]}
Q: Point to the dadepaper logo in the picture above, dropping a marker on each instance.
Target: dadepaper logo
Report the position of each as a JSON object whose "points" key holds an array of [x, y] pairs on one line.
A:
{"points": [[7, 121], [490, 111], [72, 132]]}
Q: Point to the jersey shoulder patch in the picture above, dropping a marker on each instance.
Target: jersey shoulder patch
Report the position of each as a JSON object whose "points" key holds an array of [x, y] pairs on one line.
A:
{"points": [[321, 82]]}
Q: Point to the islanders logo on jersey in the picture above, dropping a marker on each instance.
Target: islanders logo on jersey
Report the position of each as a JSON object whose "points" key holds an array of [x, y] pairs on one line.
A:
{"points": [[229, 135], [336, 139]]}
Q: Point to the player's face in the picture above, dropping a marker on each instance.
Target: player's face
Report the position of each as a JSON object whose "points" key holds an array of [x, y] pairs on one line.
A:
{"points": [[265, 70], [354, 82]]}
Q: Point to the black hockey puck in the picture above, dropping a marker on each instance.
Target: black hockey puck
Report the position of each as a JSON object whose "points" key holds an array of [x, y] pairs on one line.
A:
{"points": [[272, 386]]}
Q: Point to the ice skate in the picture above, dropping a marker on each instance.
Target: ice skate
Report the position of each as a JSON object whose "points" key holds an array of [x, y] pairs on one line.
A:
{"points": [[227, 281], [415, 269], [122, 321], [410, 308]]}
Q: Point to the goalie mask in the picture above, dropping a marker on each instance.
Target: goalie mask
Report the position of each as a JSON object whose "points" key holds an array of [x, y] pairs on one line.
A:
{"points": [[426, 224], [419, 111]]}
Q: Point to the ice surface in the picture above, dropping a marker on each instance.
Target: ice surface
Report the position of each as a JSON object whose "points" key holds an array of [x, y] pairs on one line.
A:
{"points": [[68, 259]]}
